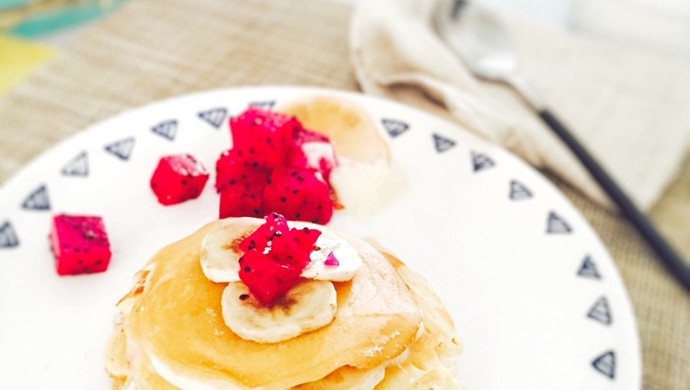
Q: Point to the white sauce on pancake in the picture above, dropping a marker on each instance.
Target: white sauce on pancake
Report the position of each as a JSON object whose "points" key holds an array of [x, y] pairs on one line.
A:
{"points": [[368, 382], [190, 383]]}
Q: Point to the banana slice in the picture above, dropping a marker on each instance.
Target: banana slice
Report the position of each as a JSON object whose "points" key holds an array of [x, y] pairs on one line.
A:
{"points": [[220, 250], [308, 306], [220, 253], [348, 260]]}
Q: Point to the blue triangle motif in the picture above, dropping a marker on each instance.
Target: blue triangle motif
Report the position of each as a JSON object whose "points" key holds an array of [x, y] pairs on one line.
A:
{"points": [[442, 143], [8, 238], [122, 149], [78, 166], [606, 364], [588, 269], [214, 116], [481, 161], [166, 129], [557, 225], [395, 127], [600, 311], [264, 104], [37, 200], [518, 191]]}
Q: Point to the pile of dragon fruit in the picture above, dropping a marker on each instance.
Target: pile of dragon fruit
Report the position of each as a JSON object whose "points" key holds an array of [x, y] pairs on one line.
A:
{"points": [[275, 165], [270, 274]]}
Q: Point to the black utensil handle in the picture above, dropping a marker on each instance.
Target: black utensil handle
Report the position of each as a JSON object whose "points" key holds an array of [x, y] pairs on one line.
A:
{"points": [[669, 257]]}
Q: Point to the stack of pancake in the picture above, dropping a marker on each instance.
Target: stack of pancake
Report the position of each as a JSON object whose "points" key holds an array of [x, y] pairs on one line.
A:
{"points": [[390, 332]]}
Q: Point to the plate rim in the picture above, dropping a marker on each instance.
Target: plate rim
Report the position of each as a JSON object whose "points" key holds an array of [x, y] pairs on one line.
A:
{"points": [[358, 97]]}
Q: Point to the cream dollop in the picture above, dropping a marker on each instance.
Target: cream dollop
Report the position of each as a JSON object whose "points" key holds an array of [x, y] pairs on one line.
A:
{"points": [[364, 188]]}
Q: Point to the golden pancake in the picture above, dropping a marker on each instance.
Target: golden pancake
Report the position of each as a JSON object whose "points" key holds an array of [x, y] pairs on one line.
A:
{"points": [[425, 364], [430, 363], [177, 318]]}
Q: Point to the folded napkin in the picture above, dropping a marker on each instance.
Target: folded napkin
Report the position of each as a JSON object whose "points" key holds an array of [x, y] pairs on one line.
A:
{"points": [[627, 106]]}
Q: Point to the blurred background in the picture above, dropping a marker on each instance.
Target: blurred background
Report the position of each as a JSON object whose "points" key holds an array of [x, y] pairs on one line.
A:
{"points": [[33, 30]]}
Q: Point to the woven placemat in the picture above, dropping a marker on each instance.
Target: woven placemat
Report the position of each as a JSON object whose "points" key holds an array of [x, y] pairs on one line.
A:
{"points": [[156, 49]]}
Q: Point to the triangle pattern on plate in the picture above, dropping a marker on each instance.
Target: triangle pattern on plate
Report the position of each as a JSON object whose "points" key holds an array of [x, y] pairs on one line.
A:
{"points": [[600, 311], [481, 161], [8, 238], [166, 129], [122, 149], [606, 364], [394, 127], [37, 200], [264, 104], [78, 166], [518, 191], [442, 143], [588, 269], [214, 116], [557, 225]]}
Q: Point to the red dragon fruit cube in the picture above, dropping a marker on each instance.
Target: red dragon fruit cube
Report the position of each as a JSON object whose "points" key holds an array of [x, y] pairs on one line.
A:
{"points": [[178, 178], [238, 203], [80, 244], [233, 170], [265, 136], [240, 185], [298, 194], [267, 279], [275, 225], [312, 150], [294, 247]]}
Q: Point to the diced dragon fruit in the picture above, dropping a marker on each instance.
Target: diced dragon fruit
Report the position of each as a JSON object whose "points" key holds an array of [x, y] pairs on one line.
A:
{"points": [[80, 244], [178, 178], [274, 258], [294, 247], [240, 185], [267, 146], [275, 224], [265, 136], [266, 279], [299, 194], [312, 150]]}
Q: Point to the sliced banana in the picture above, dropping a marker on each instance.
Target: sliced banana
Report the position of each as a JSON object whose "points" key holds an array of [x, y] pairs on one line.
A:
{"points": [[220, 253], [328, 242], [306, 307], [219, 249]]}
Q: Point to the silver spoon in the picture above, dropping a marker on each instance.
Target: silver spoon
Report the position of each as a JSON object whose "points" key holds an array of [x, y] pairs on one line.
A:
{"points": [[478, 38]]}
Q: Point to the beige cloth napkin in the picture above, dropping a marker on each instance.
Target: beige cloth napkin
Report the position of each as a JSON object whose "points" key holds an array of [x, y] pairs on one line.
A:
{"points": [[628, 107]]}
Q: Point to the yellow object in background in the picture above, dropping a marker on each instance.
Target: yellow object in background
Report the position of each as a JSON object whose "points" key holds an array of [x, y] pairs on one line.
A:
{"points": [[18, 58]]}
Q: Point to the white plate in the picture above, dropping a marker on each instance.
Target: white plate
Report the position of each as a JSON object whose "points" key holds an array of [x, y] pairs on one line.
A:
{"points": [[537, 301]]}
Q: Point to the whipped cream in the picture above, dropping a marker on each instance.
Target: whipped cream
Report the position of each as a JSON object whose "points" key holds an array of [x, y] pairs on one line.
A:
{"points": [[364, 188], [317, 151], [186, 382]]}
